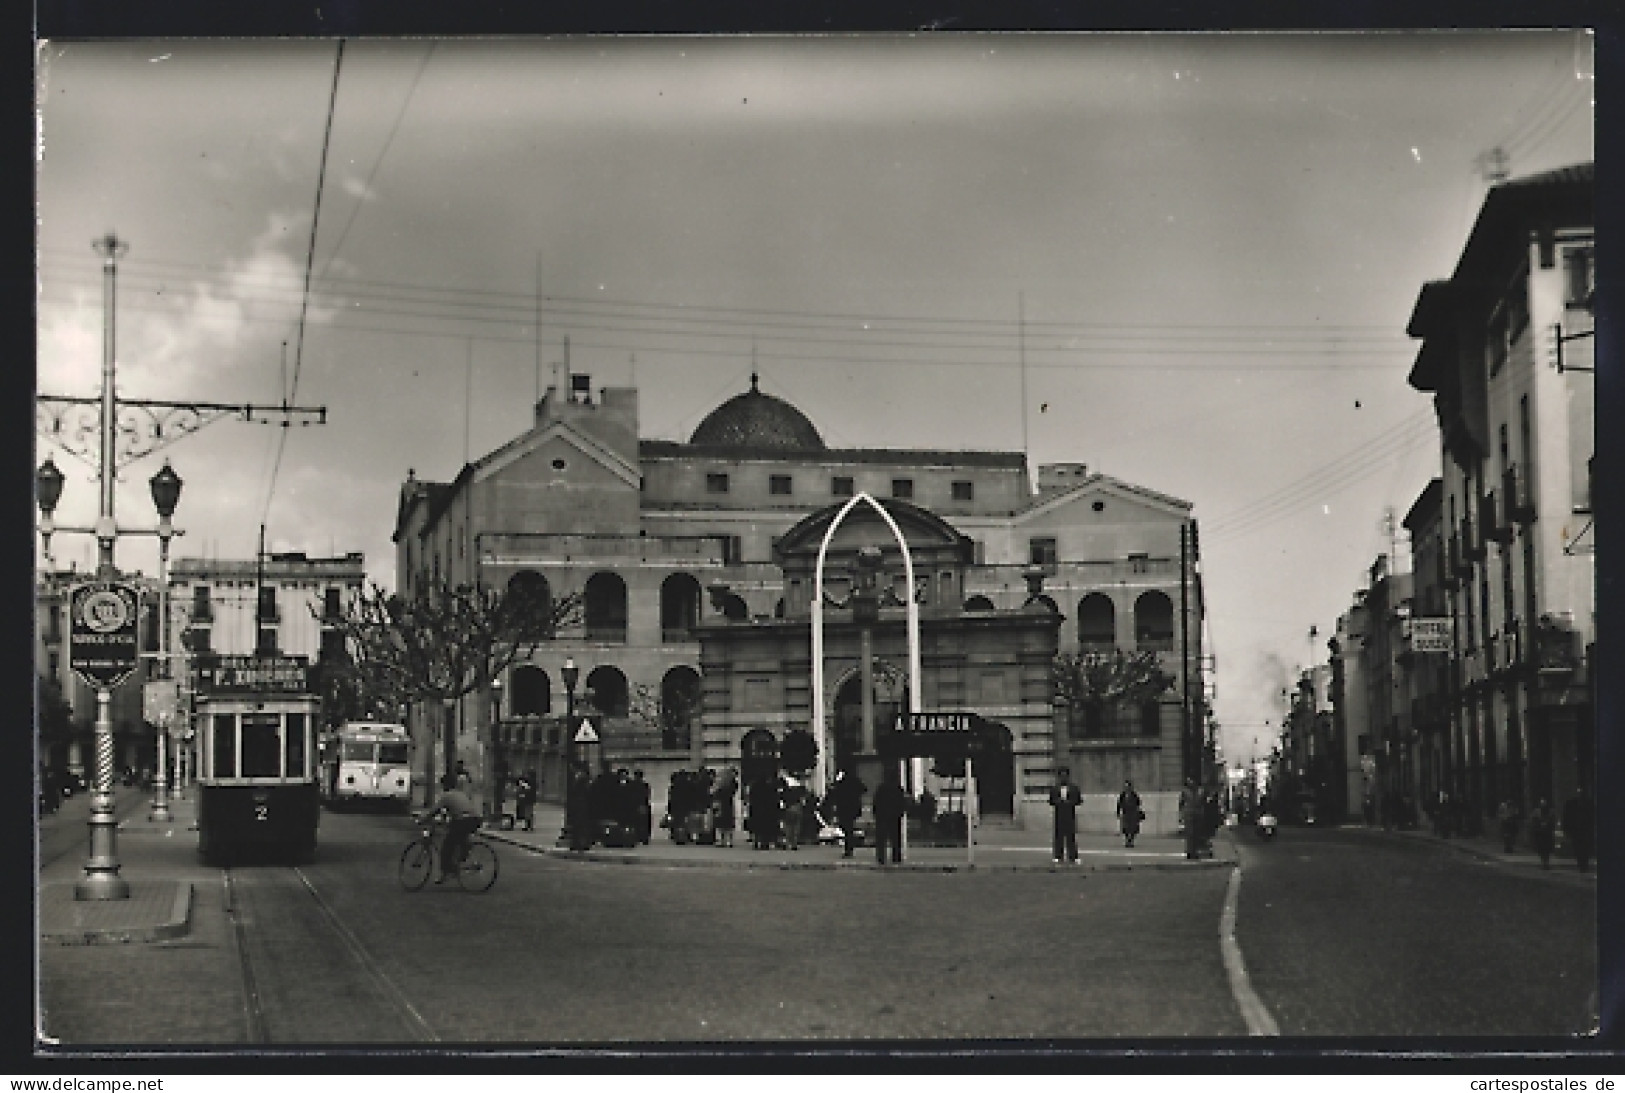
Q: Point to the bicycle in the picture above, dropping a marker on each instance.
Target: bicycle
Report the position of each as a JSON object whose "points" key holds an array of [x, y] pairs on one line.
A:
{"points": [[476, 872]]}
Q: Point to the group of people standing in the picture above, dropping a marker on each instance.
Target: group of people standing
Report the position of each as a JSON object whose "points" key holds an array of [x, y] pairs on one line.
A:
{"points": [[1578, 823], [613, 808]]}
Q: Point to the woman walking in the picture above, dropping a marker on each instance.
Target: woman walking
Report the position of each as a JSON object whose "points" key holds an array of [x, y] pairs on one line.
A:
{"points": [[723, 803]]}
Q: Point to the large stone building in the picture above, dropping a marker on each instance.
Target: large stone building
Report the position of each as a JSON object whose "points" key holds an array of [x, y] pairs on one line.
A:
{"points": [[1507, 353], [693, 561]]}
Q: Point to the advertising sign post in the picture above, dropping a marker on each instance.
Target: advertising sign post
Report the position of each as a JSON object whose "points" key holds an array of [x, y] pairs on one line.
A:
{"points": [[102, 617]]}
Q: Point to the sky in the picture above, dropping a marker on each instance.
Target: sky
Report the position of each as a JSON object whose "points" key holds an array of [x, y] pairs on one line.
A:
{"points": [[1185, 260]]}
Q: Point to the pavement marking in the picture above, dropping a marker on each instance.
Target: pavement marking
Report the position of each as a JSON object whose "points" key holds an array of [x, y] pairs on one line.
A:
{"points": [[1253, 1011]]}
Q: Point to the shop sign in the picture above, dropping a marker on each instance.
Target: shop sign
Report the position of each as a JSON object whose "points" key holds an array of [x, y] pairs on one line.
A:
{"points": [[1431, 636], [235, 673]]}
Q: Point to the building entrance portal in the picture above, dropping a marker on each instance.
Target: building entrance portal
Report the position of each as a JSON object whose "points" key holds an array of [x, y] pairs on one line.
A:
{"points": [[996, 772]]}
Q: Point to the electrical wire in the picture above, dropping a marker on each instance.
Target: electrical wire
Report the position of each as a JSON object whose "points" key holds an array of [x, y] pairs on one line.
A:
{"points": [[310, 259]]}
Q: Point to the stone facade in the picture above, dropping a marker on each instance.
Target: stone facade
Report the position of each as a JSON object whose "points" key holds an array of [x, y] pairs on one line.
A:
{"points": [[673, 546]]}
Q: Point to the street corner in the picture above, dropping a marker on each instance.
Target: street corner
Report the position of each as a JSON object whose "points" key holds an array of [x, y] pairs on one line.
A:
{"points": [[153, 911]]}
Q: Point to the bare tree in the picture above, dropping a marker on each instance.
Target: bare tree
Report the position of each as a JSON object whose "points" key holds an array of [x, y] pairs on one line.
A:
{"points": [[1086, 682], [441, 644], [671, 711]]}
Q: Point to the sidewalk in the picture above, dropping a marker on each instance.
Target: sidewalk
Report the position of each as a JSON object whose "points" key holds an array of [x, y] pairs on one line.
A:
{"points": [[998, 848], [1488, 847], [157, 908]]}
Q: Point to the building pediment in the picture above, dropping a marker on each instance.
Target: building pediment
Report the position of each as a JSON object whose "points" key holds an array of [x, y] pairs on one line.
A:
{"points": [[558, 435], [922, 529], [1115, 492]]}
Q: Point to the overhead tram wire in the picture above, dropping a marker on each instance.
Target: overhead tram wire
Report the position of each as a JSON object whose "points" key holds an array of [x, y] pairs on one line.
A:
{"points": [[291, 394], [484, 305], [1338, 353], [1263, 513], [366, 186]]}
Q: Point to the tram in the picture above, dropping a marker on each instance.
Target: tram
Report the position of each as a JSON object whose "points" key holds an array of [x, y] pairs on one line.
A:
{"points": [[368, 762], [257, 784]]}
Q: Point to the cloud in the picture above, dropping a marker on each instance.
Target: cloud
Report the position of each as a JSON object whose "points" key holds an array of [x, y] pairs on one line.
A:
{"points": [[227, 325]]}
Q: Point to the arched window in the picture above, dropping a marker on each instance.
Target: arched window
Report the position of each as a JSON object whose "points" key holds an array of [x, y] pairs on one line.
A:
{"points": [[679, 607], [978, 603], [1154, 621], [529, 590], [607, 691], [605, 607], [679, 707], [532, 692], [1041, 602], [1097, 623]]}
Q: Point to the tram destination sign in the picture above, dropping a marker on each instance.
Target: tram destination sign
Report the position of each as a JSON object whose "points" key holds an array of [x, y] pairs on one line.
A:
{"points": [[236, 673], [102, 641], [937, 734]]}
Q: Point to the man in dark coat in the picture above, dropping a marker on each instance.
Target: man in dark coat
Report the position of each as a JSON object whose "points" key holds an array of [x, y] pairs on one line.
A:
{"points": [[580, 804], [846, 796], [764, 813], [1580, 825], [643, 798], [1129, 813], [890, 804], [1064, 798], [1192, 813]]}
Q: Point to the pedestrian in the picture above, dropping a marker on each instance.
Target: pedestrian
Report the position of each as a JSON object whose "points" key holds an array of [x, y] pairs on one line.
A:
{"points": [[1542, 827], [846, 795], [1130, 813], [1064, 798], [1191, 810], [1441, 815], [524, 800], [890, 804], [1506, 816], [580, 804], [723, 806], [1580, 825], [794, 796], [642, 796], [763, 806]]}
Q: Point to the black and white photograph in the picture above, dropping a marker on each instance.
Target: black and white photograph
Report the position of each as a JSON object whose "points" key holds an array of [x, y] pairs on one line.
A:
{"points": [[828, 542]]}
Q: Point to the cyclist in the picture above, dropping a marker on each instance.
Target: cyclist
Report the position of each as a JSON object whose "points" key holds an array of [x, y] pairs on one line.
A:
{"points": [[462, 820]]}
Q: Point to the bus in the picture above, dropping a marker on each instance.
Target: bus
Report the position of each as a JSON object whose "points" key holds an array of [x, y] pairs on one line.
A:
{"points": [[369, 762], [257, 776]]}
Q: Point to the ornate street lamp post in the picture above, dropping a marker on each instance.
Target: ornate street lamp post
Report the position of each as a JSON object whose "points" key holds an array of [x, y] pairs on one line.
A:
{"points": [[166, 494]]}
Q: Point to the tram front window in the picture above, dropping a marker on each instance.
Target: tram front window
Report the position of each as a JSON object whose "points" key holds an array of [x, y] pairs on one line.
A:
{"points": [[392, 753], [295, 740], [225, 745], [262, 750], [358, 751]]}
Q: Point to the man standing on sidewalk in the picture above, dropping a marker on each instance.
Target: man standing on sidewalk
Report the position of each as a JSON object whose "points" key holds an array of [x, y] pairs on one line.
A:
{"points": [[1065, 798], [890, 804], [1580, 825], [1191, 812]]}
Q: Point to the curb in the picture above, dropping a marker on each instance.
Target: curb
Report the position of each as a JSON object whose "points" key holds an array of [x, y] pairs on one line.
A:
{"points": [[1486, 855], [178, 924], [838, 865]]}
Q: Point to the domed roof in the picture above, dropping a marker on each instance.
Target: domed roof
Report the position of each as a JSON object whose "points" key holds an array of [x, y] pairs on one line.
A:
{"points": [[755, 420]]}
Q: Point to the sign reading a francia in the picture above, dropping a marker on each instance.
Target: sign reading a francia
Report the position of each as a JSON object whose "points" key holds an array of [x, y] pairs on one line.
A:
{"points": [[102, 642]]}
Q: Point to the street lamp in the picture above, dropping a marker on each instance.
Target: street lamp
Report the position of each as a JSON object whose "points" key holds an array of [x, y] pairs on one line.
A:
{"points": [[48, 491], [166, 494], [499, 764], [101, 880], [571, 675]]}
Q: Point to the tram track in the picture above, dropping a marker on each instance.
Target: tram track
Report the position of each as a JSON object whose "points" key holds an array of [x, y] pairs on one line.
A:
{"points": [[306, 977]]}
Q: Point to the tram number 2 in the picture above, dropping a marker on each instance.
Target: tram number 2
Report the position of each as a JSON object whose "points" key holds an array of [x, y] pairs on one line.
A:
{"points": [[262, 811]]}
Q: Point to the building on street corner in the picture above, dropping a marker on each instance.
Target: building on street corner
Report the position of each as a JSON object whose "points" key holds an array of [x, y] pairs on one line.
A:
{"points": [[693, 561]]}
